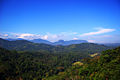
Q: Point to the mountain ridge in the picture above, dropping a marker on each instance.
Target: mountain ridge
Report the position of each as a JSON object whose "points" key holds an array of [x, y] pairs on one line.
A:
{"points": [[24, 45], [59, 42]]}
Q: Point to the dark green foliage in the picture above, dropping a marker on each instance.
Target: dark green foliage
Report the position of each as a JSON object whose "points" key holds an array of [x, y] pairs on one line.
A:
{"points": [[34, 61], [86, 48], [34, 65], [104, 67], [24, 45]]}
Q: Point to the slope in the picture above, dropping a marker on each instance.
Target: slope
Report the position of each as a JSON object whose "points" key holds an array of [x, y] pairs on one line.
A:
{"points": [[104, 67]]}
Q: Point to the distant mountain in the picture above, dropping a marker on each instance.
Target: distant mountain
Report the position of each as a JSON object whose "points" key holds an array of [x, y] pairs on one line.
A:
{"points": [[24, 45], [112, 44], [10, 39], [40, 41], [62, 42], [34, 40]]}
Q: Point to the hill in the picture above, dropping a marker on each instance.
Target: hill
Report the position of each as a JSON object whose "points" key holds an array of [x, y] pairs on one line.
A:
{"points": [[46, 62], [41, 41], [46, 66], [34, 65], [103, 67], [112, 44], [24, 45]]}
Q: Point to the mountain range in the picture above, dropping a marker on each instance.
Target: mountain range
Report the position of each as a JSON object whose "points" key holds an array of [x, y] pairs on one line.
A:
{"points": [[60, 42], [64, 43], [24, 45]]}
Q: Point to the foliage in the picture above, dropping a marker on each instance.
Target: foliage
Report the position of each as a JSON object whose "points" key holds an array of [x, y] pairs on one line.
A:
{"points": [[104, 67], [34, 65], [34, 61]]}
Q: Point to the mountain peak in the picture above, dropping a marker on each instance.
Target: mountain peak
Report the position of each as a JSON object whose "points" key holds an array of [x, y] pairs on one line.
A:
{"points": [[41, 41], [60, 40]]}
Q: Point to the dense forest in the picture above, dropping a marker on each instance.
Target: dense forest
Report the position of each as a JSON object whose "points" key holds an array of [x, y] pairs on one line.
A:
{"points": [[72, 66], [24, 60], [103, 67], [34, 65]]}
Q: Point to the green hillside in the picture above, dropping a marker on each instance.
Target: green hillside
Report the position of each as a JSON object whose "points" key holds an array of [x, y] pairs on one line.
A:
{"points": [[34, 65], [24, 45], [24, 60], [104, 67]]}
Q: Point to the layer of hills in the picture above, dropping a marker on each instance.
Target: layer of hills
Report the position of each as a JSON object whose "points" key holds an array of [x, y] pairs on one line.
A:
{"points": [[24, 45], [72, 65], [64, 43], [60, 42], [27, 60]]}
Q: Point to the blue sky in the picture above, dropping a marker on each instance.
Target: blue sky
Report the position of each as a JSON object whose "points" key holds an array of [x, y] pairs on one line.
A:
{"points": [[92, 20]]}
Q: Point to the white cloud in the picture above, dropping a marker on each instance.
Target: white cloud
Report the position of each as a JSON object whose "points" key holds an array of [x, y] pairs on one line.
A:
{"points": [[28, 36], [5, 34], [25, 35], [45, 37], [52, 37], [48, 36], [92, 41], [100, 31], [60, 36], [75, 38]]}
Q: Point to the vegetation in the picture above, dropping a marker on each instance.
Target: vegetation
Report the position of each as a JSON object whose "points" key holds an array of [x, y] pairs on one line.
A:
{"points": [[34, 61], [34, 65], [104, 67]]}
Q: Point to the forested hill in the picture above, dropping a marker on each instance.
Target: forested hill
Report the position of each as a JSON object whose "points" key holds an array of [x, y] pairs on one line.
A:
{"points": [[34, 65], [24, 45], [72, 66], [33, 61], [104, 67]]}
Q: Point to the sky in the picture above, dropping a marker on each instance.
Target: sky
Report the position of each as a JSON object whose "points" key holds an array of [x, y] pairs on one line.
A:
{"points": [[96, 21]]}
